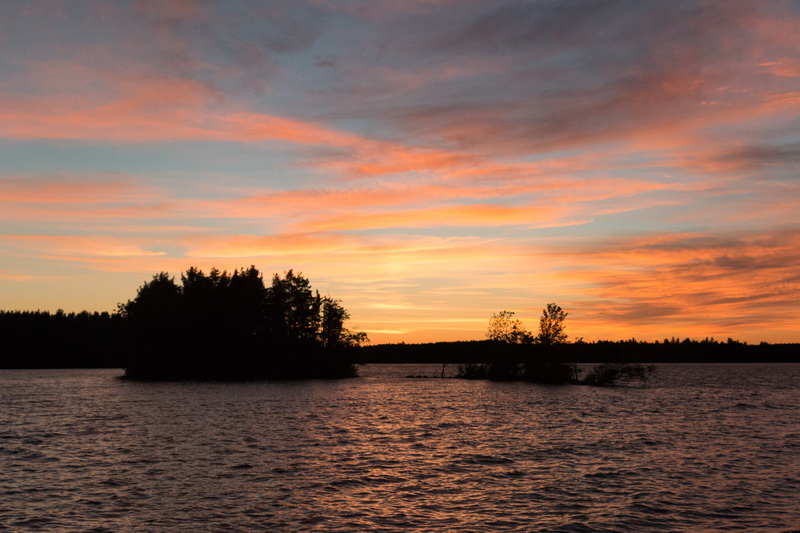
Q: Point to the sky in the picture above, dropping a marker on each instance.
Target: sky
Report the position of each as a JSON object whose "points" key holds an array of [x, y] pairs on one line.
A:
{"points": [[427, 162]]}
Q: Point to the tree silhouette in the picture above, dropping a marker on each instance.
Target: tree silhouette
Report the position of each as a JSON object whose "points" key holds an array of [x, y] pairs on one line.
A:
{"points": [[219, 325], [512, 360], [157, 308], [332, 332], [247, 297], [503, 327], [293, 309], [551, 326]]}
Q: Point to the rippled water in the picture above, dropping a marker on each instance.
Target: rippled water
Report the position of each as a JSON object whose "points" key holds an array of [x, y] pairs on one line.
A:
{"points": [[704, 447]]}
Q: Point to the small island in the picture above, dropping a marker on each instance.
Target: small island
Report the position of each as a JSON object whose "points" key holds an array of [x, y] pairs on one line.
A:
{"points": [[224, 325], [512, 353]]}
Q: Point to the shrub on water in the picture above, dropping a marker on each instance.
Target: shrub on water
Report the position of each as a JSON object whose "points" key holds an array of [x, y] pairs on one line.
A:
{"points": [[614, 373], [472, 371]]}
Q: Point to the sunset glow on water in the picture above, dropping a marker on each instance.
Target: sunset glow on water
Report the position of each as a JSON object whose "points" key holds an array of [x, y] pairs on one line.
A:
{"points": [[702, 448]]}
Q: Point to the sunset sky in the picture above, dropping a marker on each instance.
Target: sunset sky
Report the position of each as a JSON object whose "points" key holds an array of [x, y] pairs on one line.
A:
{"points": [[427, 162]]}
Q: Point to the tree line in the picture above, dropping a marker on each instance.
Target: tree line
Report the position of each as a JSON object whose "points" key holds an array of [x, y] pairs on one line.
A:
{"points": [[511, 352], [235, 325], [555, 360], [215, 325], [41, 339]]}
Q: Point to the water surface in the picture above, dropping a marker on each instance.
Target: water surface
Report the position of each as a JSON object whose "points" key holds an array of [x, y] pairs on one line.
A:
{"points": [[704, 447]]}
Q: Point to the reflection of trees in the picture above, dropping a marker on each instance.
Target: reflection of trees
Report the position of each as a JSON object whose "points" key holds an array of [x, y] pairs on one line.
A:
{"points": [[224, 324]]}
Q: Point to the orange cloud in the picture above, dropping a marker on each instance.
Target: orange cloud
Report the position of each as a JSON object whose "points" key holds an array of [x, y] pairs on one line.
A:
{"points": [[245, 247], [47, 191], [6, 275], [690, 285], [451, 202], [73, 246], [79, 206], [483, 215], [323, 247], [39, 199]]}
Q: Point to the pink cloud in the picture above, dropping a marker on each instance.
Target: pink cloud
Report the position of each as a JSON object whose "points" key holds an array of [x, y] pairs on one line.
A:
{"points": [[785, 67], [31, 200], [48, 191]]}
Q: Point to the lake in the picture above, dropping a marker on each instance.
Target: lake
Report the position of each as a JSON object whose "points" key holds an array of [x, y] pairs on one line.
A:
{"points": [[703, 447]]}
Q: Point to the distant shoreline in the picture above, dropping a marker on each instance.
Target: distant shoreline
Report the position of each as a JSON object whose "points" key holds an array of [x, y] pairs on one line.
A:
{"points": [[595, 352], [478, 352]]}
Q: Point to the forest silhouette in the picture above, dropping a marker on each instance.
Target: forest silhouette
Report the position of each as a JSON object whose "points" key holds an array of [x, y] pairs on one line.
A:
{"points": [[224, 326], [233, 326], [218, 325]]}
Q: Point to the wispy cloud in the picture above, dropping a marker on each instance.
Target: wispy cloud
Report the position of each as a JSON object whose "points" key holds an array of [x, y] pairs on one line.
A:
{"points": [[690, 284]]}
